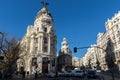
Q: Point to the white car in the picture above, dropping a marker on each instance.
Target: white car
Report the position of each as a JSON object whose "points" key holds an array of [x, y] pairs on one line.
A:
{"points": [[78, 73], [98, 71]]}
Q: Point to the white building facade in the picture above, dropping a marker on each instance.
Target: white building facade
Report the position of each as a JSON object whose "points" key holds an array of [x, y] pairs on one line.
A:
{"points": [[39, 43], [108, 51]]}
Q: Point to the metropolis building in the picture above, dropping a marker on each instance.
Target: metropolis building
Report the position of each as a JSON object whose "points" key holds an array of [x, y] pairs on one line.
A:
{"points": [[39, 44]]}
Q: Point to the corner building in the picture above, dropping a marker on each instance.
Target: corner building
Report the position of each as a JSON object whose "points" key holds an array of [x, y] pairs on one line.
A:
{"points": [[64, 60], [39, 43]]}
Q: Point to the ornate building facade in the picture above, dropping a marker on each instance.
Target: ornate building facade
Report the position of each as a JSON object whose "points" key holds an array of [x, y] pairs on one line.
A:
{"points": [[64, 60], [39, 43]]}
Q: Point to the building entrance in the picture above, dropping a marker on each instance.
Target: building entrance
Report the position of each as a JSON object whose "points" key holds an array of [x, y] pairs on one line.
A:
{"points": [[34, 65], [45, 62]]}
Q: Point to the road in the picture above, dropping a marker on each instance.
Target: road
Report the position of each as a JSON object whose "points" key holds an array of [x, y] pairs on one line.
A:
{"points": [[100, 76], [56, 78]]}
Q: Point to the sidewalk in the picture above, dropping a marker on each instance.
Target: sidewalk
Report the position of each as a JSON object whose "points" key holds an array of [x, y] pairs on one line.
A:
{"points": [[116, 74], [108, 75]]}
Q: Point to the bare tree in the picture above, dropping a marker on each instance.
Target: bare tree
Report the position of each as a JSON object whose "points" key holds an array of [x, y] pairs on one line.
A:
{"points": [[10, 49]]}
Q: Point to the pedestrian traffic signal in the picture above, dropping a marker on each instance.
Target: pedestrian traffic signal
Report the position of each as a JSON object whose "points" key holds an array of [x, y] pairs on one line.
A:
{"points": [[75, 49]]}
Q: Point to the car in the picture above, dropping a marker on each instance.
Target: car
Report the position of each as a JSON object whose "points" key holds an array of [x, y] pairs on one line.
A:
{"points": [[51, 75], [98, 70], [79, 73], [62, 73], [69, 73], [91, 73]]}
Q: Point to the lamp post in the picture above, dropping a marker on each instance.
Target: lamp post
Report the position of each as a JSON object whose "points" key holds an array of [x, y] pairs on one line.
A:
{"points": [[79, 63]]}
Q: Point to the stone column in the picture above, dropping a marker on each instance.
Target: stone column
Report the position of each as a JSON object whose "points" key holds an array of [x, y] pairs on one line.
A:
{"points": [[49, 42], [39, 43], [32, 44], [41, 47], [39, 62]]}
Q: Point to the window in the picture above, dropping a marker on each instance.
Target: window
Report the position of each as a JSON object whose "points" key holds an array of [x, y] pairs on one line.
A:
{"points": [[114, 21], [34, 61], [36, 48], [117, 26], [37, 29], [45, 40], [119, 40], [45, 59], [118, 54], [49, 22], [36, 40], [22, 63], [45, 49], [118, 33], [45, 29]]}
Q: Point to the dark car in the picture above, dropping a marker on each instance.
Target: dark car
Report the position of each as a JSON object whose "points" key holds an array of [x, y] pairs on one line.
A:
{"points": [[69, 73], [79, 73], [91, 73], [62, 73]]}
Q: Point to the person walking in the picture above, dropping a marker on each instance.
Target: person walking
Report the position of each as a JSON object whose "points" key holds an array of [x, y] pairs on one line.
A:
{"points": [[36, 74]]}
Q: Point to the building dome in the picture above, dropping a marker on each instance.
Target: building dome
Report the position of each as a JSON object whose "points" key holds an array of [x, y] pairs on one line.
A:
{"points": [[44, 9], [65, 48], [64, 41]]}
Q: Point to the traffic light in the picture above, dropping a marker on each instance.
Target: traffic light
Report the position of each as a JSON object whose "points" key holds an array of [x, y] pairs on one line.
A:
{"points": [[75, 49]]}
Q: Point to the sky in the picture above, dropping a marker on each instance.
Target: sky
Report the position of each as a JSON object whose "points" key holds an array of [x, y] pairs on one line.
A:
{"points": [[77, 20]]}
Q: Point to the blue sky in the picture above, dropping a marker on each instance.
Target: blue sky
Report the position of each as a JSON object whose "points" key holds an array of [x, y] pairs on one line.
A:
{"points": [[78, 20]]}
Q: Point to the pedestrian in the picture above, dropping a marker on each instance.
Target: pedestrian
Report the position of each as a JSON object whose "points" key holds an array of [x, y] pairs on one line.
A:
{"points": [[36, 75], [56, 74], [23, 74]]}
